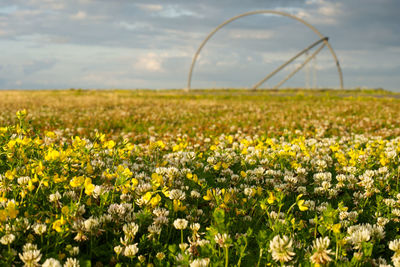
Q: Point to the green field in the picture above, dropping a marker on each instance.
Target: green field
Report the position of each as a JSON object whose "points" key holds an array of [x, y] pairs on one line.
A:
{"points": [[218, 178]]}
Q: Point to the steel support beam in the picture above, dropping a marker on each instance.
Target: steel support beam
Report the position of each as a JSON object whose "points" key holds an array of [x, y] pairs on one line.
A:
{"points": [[313, 55], [255, 13], [266, 78]]}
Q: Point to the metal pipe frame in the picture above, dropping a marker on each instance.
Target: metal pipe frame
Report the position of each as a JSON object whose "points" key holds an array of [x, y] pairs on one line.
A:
{"points": [[313, 55], [255, 13], [288, 62]]}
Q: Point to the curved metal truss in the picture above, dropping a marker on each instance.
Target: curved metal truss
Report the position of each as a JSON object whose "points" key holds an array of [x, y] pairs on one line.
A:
{"points": [[323, 40]]}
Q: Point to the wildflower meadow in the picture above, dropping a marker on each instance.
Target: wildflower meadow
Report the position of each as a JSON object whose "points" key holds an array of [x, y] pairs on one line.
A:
{"points": [[224, 178]]}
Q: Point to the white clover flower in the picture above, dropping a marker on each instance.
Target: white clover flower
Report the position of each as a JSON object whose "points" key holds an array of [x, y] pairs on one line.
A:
{"points": [[55, 197], [343, 215], [378, 232], [389, 202], [31, 258], [249, 192], [161, 220], [73, 251], [131, 250], [200, 262], [360, 235], [51, 262], [39, 228], [391, 154], [381, 262], [118, 249], [177, 194], [321, 253], [154, 228], [98, 190], [161, 212], [195, 227], [382, 221], [281, 248], [29, 247], [396, 261], [222, 240], [7, 239], [71, 262], [23, 180], [180, 224], [195, 194], [116, 210], [130, 229], [91, 224], [396, 212], [395, 246]]}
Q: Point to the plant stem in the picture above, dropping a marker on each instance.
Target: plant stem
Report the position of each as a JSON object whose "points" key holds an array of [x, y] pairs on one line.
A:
{"points": [[226, 256], [259, 258], [181, 236]]}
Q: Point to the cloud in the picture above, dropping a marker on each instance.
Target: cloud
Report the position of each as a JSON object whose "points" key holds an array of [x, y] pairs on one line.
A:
{"points": [[38, 65], [134, 26], [251, 34], [321, 12], [4, 33], [23, 13], [80, 15], [150, 7], [149, 62], [8, 9], [174, 11]]}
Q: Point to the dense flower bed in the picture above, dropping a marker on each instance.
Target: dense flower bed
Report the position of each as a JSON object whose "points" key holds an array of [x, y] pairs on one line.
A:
{"points": [[221, 201]]}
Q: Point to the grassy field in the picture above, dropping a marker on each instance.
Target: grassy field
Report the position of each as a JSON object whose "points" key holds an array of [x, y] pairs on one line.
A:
{"points": [[139, 114], [219, 178]]}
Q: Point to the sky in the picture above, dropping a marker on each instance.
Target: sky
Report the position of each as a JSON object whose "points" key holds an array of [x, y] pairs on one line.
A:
{"points": [[127, 44]]}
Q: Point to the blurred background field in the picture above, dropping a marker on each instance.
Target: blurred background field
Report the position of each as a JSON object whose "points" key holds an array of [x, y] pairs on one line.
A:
{"points": [[139, 114]]}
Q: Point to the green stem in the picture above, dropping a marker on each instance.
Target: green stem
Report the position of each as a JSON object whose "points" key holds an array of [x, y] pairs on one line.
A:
{"points": [[337, 249], [259, 258], [181, 236], [226, 256], [80, 196]]}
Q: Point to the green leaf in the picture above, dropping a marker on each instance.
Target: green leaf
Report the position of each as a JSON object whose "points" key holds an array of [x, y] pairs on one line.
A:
{"points": [[219, 217], [85, 263], [322, 230], [367, 248], [172, 248]]}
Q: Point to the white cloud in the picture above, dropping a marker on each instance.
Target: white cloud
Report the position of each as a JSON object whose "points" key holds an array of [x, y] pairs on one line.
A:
{"points": [[329, 10], [251, 34], [321, 12], [149, 62], [177, 11], [150, 7], [4, 33], [134, 26], [80, 15], [27, 13], [48, 4]]}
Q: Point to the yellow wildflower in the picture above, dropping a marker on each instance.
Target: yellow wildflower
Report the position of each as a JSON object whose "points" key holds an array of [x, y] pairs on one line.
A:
{"points": [[271, 199], [77, 181]]}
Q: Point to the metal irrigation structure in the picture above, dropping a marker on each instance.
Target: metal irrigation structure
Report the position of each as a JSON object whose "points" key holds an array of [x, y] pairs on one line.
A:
{"points": [[323, 39]]}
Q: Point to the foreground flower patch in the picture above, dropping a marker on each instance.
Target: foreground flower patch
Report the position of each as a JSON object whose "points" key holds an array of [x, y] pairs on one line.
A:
{"points": [[231, 200]]}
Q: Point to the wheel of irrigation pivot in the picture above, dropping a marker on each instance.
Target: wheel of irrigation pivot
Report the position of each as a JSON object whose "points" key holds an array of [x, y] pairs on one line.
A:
{"points": [[323, 41]]}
